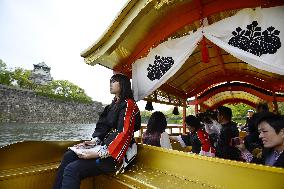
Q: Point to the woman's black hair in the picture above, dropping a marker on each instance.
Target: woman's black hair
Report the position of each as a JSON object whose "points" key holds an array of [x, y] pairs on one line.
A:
{"points": [[205, 117], [274, 120], [262, 107], [225, 111], [193, 122], [157, 123], [125, 86]]}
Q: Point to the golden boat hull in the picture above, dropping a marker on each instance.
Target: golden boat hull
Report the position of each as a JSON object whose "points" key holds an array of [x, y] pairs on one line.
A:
{"points": [[33, 164]]}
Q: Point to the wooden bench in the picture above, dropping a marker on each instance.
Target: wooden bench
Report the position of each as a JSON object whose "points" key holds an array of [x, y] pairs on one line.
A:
{"points": [[32, 164]]}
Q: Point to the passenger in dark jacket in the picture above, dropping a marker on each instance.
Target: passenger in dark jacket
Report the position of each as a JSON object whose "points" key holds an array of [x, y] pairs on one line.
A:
{"points": [[271, 132], [113, 137], [252, 141], [229, 130], [197, 137]]}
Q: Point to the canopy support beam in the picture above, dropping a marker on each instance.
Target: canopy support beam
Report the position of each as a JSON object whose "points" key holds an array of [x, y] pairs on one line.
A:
{"points": [[275, 105], [183, 120]]}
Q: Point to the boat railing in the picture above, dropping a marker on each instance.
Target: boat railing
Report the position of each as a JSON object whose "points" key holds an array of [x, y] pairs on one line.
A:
{"points": [[172, 129]]}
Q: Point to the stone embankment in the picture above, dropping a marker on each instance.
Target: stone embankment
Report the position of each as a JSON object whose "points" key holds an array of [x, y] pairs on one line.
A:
{"points": [[25, 106]]}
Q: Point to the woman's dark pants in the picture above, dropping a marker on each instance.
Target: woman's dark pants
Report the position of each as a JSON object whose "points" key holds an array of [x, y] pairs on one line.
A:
{"points": [[73, 169]]}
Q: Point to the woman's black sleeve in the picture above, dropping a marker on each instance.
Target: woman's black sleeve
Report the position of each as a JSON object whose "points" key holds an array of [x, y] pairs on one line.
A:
{"points": [[102, 127]]}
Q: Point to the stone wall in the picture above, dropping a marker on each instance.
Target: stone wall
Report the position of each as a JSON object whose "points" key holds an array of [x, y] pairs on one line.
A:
{"points": [[25, 106]]}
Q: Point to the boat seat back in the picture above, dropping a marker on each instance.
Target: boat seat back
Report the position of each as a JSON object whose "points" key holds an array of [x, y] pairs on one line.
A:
{"points": [[33, 164]]}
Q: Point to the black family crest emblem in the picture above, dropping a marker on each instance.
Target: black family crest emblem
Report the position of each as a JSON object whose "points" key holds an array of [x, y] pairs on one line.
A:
{"points": [[160, 67], [255, 41]]}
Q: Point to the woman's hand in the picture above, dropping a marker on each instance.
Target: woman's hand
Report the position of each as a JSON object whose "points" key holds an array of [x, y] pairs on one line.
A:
{"points": [[89, 143], [88, 155], [79, 145], [85, 143]]}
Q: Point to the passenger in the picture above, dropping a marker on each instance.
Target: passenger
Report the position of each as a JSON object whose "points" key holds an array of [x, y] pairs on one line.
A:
{"points": [[155, 134], [225, 149], [212, 127], [271, 132], [113, 137], [252, 141], [262, 107], [197, 138], [248, 118]]}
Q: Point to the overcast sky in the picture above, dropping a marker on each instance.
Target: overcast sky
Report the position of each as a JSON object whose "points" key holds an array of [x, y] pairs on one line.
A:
{"points": [[56, 32]]}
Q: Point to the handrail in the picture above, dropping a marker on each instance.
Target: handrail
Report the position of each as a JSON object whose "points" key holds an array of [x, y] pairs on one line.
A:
{"points": [[169, 129]]}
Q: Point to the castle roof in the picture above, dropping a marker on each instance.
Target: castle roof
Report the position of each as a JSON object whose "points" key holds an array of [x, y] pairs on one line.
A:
{"points": [[42, 64]]}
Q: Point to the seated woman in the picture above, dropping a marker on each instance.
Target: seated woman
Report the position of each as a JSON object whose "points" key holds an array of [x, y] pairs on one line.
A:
{"points": [[271, 132], [197, 138], [112, 139], [211, 126], [155, 134]]}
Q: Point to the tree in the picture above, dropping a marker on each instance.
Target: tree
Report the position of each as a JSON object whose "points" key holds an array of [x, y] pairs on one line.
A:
{"points": [[18, 77], [239, 111], [21, 77], [145, 116], [3, 66], [5, 74], [171, 118], [64, 89], [59, 89], [281, 107]]}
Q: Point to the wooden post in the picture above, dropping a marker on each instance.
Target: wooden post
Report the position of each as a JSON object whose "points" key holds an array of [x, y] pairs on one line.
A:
{"points": [[183, 118], [196, 105], [275, 105]]}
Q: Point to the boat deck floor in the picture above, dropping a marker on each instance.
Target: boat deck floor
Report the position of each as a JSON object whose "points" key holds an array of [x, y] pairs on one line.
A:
{"points": [[143, 177]]}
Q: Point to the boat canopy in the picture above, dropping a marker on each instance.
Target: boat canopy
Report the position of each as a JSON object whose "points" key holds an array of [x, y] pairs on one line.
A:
{"points": [[206, 52]]}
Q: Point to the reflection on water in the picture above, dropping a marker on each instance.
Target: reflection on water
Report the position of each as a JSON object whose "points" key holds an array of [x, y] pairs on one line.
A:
{"points": [[15, 132]]}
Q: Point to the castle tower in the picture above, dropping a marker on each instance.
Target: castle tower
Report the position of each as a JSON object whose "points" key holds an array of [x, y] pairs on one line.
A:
{"points": [[41, 74]]}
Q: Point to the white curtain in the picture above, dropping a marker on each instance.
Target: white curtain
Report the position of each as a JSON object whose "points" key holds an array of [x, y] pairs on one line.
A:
{"points": [[253, 36], [150, 72], [257, 39]]}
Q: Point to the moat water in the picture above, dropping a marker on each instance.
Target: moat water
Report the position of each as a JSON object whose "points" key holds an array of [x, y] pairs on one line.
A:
{"points": [[16, 132]]}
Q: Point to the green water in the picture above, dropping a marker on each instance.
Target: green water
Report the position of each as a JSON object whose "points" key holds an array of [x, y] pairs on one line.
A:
{"points": [[15, 132]]}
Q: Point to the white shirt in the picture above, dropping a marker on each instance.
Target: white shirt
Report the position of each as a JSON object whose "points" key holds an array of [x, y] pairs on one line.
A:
{"points": [[165, 141]]}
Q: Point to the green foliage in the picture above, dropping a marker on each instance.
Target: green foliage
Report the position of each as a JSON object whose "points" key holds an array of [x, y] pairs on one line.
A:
{"points": [[171, 118], [239, 112], [3, 66], [281, 108], [65, 90], [5, 74], [21, 79], [57, 89], [145, 115], [18, 77]]}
